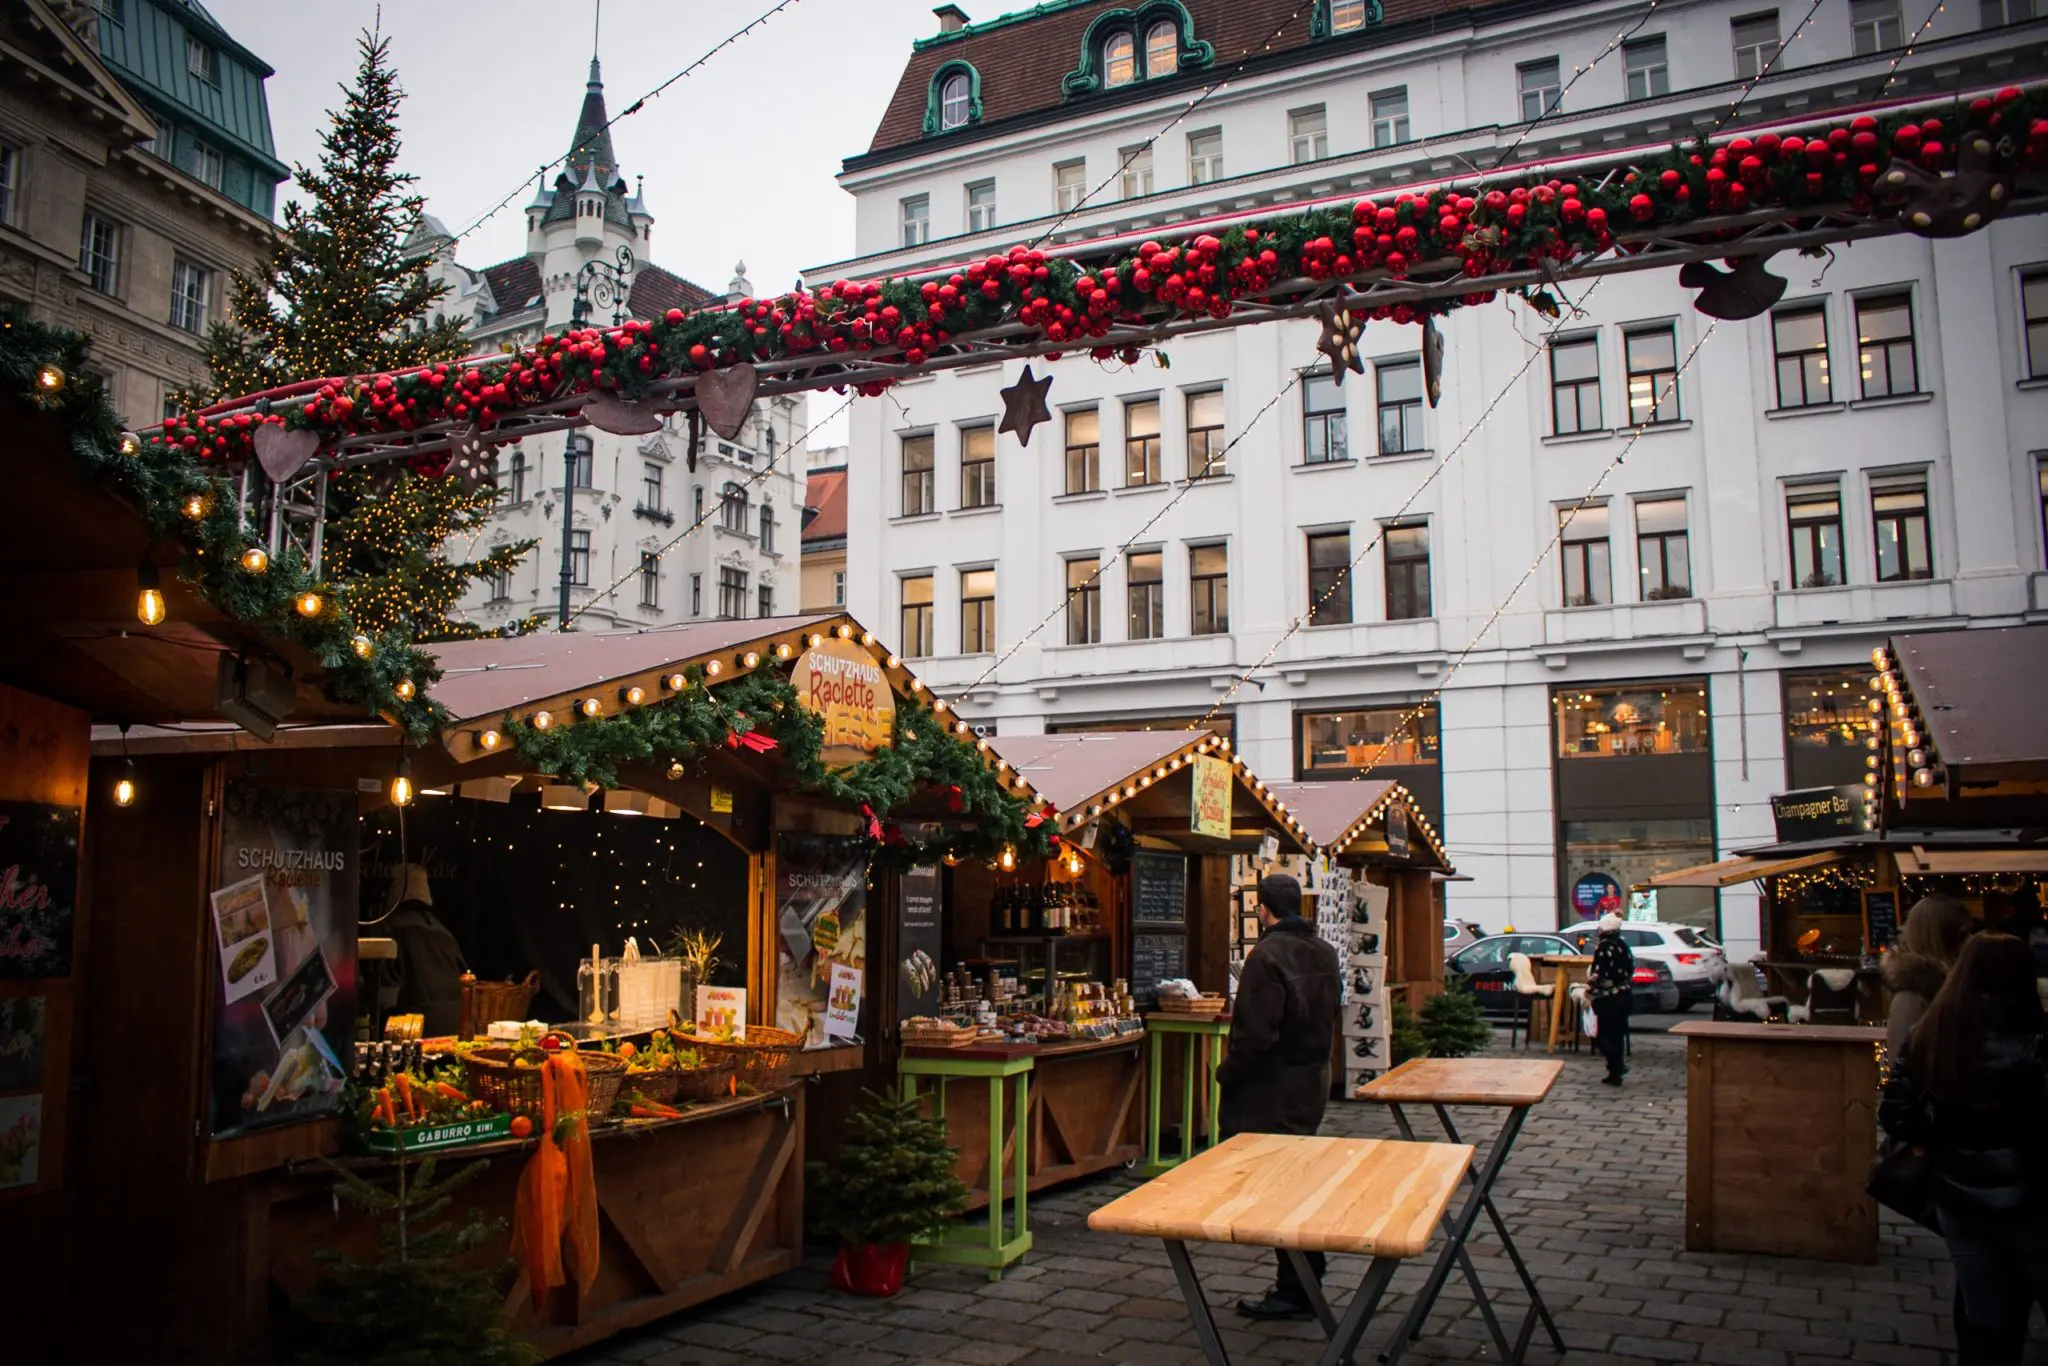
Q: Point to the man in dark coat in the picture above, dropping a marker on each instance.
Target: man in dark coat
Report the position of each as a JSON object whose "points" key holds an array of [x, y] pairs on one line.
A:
{"points": [[1276, 1075]]}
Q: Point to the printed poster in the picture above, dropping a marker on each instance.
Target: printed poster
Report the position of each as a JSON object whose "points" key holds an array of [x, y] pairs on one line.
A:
{"points": [[38, 888], [840, 683], [842, 1005], [21, 1140], [285, 930], [918, 939], [1209, 806], [722, 1010], [821, 891], [21, 1043]]}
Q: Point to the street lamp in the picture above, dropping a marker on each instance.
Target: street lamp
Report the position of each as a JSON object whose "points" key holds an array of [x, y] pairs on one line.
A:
{"points": [[604, 284]]}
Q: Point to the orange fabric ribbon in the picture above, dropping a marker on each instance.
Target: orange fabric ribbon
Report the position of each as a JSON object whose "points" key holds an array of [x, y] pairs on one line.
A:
{"points": [[554, 1230]]}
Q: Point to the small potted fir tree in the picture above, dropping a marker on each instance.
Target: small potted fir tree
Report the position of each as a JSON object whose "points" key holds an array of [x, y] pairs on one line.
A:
{"points": [[891, 1183]]}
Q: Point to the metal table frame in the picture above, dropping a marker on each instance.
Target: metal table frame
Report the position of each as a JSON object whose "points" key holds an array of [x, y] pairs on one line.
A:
{"points": [[1342, 1334], [1203, 1038], [1006, 1239]]}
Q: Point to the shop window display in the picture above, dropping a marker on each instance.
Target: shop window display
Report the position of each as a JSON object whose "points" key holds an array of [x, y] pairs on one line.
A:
{"points": [[1649, 719]]}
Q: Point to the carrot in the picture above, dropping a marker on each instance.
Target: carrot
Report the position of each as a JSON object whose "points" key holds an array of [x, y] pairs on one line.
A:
{"points": [[447, 1092], [651, 1112], [384, 1110], [403, 1083]]}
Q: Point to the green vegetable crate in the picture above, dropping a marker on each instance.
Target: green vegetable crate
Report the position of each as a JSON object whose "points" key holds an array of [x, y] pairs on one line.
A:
{"points": [[426, 1137]]}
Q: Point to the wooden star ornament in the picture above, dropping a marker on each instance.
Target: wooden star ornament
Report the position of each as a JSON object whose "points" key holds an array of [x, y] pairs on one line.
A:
{"points": [[1341, 330], [1024, 405]]}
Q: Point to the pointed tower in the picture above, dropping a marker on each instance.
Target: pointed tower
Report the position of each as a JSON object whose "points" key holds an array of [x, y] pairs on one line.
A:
{"points": [[591, 167]]}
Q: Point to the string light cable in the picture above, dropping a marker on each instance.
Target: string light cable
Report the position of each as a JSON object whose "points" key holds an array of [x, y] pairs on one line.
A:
{"points": [[1892, 72], [753, 480], [1742, 95], [635, 107]]}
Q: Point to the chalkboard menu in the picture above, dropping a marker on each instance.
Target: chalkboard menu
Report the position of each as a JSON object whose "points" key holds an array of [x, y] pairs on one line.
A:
{"points": [[1828, 899], [1880, 917], [1159, 889], [1156, 958]]}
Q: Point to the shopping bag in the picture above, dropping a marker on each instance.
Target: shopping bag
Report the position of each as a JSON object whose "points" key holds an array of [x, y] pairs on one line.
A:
{"points": [[1589, 1023]]}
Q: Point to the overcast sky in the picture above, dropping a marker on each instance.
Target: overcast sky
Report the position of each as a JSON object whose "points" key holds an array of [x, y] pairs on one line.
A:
{"points": [[739, 158]]}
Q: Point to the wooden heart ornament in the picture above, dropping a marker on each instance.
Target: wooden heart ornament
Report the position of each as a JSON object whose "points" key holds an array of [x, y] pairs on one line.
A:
{"points": [[725, 397], [609, 413], [284, 452]]}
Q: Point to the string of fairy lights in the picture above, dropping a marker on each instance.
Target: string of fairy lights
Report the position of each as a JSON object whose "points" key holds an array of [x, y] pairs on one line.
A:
{"points": [[1892, 72]]}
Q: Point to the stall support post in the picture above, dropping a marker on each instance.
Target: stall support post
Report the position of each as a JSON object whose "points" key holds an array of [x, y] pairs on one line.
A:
{"points": [[1203, 1039], [1007, 1238]]}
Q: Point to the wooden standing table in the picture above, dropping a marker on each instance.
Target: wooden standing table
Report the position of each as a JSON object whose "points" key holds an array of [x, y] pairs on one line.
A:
{"points": [[1204, 1036], [1513, 1086], [1566, 970], [1375, 1197]]}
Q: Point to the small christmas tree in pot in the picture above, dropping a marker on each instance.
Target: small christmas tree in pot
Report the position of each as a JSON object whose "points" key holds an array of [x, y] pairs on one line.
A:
{"points": [[891, 1184]]}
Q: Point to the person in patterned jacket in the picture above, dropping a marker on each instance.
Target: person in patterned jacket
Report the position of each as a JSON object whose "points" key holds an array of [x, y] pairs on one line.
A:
{"points": [[1612, 982]]}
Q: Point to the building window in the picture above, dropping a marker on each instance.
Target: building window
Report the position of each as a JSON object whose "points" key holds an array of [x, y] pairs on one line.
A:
{"points": [[1756, 43], [1406, 546], [1069, 185], [732, 508], [1209, 589], [650, 486], [1308, 134], [500, 584], [10, 180], [1814, 515], [579, 559], [201, 60], [1652, 356], [1346, 15], [1800, 337], [981, 206], [1119, 60], [1338, 744], [1324, 437], [977, 467], [839, 588], [1575, 385], [732, 593], [1898, 513], [917, 220], [1205, 435], [99, 247], [1588, 578], [2041, 474], [1826, 723], [578, 455], [1329, 578], [1662, 567], [1084, 601], [916, 619], [1162, 49], [1205, 156], [114, 11], [207, 165], [1389, 116], [1146, 572], [1649, 718], [2034, 307], [977, 611], [1399, 386], [1539, 87], [1648, 74], [955, 101], [919, 481], [1137, 170], [767, 530], [1999, 13], [515, 477], [1084, 450], [696, 595], [188, 295], [1141, 442], [1875, 25], [1884, 346], [650, 580], [765, 604]]}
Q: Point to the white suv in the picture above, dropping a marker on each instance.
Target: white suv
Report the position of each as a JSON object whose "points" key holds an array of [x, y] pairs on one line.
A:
{"points": [[1696, 961]]}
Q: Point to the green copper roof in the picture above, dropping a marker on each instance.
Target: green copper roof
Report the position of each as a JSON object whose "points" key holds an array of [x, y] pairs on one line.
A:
{"points": [[215, 90], [1001, 21]]}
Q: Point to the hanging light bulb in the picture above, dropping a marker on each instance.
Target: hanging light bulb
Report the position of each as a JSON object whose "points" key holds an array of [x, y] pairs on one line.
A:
{"points": [[401, 782], [310, 604], [255, 559], [149, 598], [404, 689], [675, 770], [362, 645], [1007, 860], [124, 786]]}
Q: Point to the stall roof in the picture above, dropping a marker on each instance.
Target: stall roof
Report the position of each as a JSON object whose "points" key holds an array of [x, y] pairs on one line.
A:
{"points": [[1728, 872], [1978, 695], [1085, 773], [1340, 814]]}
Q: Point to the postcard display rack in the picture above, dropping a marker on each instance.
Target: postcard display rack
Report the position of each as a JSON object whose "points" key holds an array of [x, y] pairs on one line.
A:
{"points": [[1350, 915]]}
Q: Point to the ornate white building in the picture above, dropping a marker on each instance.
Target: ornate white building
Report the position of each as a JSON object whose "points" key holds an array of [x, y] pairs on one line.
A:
{"points": [[623, 500], [1621, 704]]}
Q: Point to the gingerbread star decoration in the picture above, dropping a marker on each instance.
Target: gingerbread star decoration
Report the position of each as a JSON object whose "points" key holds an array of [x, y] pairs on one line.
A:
{"points": [[471, 461], [1951, 205], [1341, 330], [1024, 406], [1744, 290]]}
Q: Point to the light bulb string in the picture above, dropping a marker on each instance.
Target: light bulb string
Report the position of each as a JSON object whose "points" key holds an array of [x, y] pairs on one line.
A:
{"points": [[1764, 69], [1891, 73]]}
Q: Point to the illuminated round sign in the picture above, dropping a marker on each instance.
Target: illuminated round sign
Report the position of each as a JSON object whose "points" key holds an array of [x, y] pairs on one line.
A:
{"points": [[1595, 894]]}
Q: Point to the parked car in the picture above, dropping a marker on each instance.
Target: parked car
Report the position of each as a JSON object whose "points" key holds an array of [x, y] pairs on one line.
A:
{"points": [[1485, 966], [1459, 934], [1696, 961]]}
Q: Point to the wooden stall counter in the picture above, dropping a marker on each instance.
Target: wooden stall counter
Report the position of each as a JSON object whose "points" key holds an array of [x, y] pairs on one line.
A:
{"points": [[1781, 1129], [690, 1209]]}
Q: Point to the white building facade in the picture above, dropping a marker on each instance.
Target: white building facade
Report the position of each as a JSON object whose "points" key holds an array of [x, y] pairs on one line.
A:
{"points": [[623, 500], [1870, 454]]}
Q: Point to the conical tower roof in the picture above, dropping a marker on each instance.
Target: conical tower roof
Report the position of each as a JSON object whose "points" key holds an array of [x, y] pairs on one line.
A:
{"points": [[591, 160]]}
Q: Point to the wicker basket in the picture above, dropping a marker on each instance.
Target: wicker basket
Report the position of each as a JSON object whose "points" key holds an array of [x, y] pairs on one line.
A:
{"points": [[657, 1084], [490, 1002], [761, 1060], [496, 1080], [928, 1036], [712, 1080], [1195, 1007]]}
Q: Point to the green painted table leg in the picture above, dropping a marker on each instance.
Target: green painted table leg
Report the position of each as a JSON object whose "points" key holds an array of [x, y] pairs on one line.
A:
{"points": [[1188, 1082], [1211, 1047], [1022, 1125], [1152, 1070], [995, 1177]]}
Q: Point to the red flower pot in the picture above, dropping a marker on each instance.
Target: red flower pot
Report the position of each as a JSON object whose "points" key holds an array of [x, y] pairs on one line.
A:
{"points": [[870, 1268]]}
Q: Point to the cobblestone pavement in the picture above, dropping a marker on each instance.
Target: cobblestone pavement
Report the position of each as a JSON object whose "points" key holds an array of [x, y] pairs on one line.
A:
{"points": [[1593, 1191]]}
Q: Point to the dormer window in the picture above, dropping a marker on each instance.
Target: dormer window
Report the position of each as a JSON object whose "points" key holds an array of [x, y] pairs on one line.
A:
{"points": [[1119, 60], [1148, 41], [1162, 49], [1346, 15], [1332, 18], [953, 101]]}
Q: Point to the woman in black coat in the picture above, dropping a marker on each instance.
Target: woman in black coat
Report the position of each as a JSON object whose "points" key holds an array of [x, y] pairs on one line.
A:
{"points": [[1972, 1091], [1611, 987]]}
